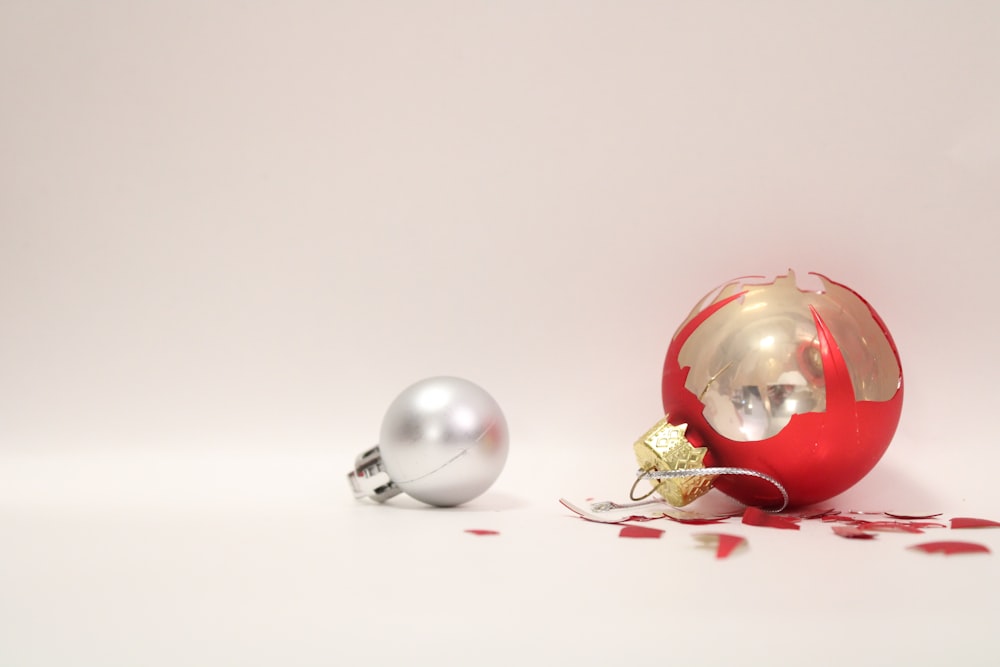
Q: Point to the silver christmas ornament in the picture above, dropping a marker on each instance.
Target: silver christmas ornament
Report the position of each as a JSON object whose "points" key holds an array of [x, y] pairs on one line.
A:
{"points": [[443, 441]]}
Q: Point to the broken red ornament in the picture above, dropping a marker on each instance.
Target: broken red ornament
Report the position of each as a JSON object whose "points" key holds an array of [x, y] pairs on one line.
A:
{"points": [[950, 548], [803, 386], [753, 516], [481, 531], [969, 522], [640, 532], [723, 543]]}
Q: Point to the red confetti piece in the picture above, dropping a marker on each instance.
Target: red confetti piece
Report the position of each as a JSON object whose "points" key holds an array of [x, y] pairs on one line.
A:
{"points": [[853, 532], [696, 522], [889, 526], [640, 531], [950, 548], [895, 515], [969, 522], [724, 544], [817, 514], [481, 531], [753, 516], [885, 526]]}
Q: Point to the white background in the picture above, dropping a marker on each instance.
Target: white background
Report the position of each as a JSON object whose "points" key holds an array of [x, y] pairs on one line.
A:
{"points": [[232, 232]]}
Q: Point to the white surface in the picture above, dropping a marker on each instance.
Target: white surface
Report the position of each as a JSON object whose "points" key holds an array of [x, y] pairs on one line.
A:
{"points": [[231, 234]]}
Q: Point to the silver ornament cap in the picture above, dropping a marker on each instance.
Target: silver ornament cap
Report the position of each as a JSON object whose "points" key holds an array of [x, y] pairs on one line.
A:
{"points": [[443, 441]]}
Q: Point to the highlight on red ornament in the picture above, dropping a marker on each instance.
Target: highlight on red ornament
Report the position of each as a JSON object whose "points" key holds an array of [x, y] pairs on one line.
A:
{"points": [[801, 385]]}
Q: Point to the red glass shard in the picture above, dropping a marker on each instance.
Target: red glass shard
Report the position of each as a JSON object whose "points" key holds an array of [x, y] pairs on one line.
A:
{"points": [[896, 515], [723, 544], [853, 532], [728, 544], [697, 522], [817, 514], [754, 516], [640, 531], [950, 548], [969, 522], [890, 526], [927, 524], [481, 531]]}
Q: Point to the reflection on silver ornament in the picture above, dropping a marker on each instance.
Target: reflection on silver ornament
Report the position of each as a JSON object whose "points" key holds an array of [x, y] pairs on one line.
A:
{"points": [[800, 386], [443, 441]]}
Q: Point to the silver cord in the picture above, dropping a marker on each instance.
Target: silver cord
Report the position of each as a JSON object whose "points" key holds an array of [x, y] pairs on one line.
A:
{"points": [[706, 472]]}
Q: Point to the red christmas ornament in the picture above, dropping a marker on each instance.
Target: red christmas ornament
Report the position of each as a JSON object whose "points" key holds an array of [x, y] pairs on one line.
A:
{"points": [[803, 386]]}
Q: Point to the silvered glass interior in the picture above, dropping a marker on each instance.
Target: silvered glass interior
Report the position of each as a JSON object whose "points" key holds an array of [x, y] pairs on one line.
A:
{"points": [[756, 362]]}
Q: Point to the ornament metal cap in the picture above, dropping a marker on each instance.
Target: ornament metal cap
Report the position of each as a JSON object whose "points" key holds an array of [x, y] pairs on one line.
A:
{"points": [[369, 478], [677, 468], [664, 447], [443, 441]]}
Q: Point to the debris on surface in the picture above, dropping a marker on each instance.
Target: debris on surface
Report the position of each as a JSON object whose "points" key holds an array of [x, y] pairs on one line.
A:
{"points": [[853, 532], [950, 548], [723, 543], [754, 516], [640, 531], [969, 522], [850, 524]]}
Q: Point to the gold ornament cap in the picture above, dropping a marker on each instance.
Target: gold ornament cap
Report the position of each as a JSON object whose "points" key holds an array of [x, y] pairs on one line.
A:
{"points": [[665, 447]]}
